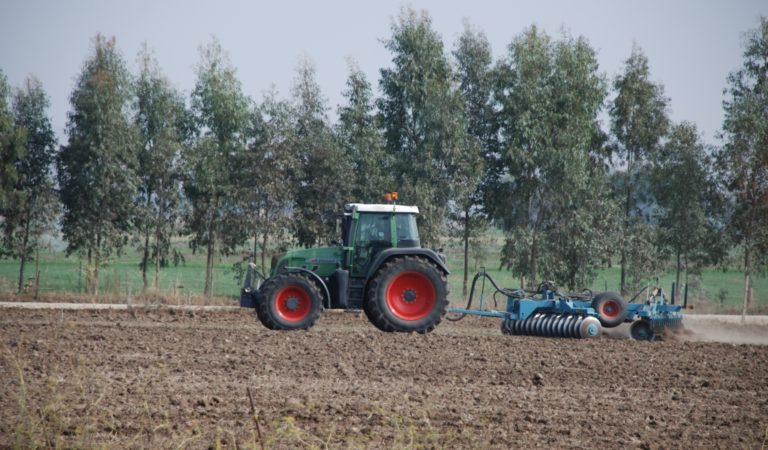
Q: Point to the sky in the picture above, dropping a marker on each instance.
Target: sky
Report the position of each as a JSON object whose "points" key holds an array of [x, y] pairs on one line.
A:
{"points": [[691, 45]]}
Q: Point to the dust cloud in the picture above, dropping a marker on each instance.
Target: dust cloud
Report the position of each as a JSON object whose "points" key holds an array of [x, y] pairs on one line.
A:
{"points": [[729, 330], [710, 328]]}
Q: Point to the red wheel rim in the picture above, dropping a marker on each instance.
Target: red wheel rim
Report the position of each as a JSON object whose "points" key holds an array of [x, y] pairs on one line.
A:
{"points": [[410, 296], [610, 309], [292, 303]]}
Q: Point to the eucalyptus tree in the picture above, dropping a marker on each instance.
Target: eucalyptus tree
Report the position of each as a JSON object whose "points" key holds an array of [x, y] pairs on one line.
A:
{"points": [[164, 127], [270, 174], [474, 75], [359, 132], [688, 201], [324, 185], [11, 144], [550, 172], [423, 120], [638, 124], [221, 113], [35, 203], [743, 159], [97, 167]]}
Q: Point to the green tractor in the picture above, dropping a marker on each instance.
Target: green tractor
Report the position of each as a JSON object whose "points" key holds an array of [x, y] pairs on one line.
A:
{"points": [[379, 267]]}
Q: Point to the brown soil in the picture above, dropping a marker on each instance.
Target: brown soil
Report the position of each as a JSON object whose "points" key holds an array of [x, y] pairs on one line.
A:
{"points": [[160, 378]]}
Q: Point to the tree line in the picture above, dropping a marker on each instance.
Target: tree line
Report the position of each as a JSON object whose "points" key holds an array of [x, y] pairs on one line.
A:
{"points": [[516, 143]]}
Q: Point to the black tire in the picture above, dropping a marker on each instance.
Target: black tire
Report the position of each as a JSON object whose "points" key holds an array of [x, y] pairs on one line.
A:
{"points": [[289, 301], [611, 309], [419, 307], [641, 331]]}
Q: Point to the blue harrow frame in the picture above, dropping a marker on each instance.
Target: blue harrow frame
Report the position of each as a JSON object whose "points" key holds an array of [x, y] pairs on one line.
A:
{"points": [[546, 312]]}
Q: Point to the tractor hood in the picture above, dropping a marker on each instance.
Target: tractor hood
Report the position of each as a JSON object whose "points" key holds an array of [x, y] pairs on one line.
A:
{"points": [[321, 260]]}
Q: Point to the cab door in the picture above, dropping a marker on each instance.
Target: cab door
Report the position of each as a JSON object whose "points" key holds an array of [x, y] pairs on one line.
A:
{"points": [[372, 235]]}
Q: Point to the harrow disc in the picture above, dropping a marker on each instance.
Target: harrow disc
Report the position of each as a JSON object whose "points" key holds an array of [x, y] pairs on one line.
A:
{"points": [[589, 328], [553, 325]]}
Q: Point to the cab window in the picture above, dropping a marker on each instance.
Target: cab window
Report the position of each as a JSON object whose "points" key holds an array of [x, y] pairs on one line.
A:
{"points": [[373, 228], [407, 232]]}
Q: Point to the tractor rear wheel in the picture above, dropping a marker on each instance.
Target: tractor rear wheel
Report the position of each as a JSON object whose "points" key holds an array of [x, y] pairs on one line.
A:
{"points": [[611, 309], [288, 302], [407, 294]]}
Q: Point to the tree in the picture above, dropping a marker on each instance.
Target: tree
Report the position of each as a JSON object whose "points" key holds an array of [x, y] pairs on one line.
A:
{"points": [[638, 123], [325, 171], [474, 74], [687, 200], [221, 113], [549, 174], [743, 160], [271, 173], [359, 132], [34, 206], [422, 119], [11, 144], [97, 168], [164, 127]]}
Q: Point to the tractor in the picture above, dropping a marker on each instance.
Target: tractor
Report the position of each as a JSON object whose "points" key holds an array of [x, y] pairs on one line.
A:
{"points": [[378, 266]]}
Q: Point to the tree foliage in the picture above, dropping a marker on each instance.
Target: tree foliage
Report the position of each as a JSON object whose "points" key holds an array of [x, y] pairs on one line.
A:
{"points": [[11, 144], [475, 82], [638, 123], [270, 174], [164, 126], [97, 168], [35, 204], [221, 111], [743, 160], [548, 190], [325, 170], [359, 131], [422, 118], [688, 201]]}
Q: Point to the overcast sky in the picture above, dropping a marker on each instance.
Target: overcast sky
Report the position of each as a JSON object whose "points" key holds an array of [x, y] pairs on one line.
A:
{"points": [[691, 45]]}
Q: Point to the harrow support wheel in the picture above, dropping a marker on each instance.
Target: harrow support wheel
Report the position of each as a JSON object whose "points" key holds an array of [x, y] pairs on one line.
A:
{"points": [[611, 309], [289, 301], [641, 331], [407, 294]]}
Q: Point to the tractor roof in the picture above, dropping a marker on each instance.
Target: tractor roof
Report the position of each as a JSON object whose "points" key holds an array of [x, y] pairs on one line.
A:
{"points": [[363, 207]]}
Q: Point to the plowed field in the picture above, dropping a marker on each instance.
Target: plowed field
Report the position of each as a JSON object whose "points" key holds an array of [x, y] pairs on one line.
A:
{"points": [[160, 378]]}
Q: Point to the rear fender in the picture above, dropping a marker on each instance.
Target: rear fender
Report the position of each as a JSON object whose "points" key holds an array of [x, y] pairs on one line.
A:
{"points": [[390, 253]]}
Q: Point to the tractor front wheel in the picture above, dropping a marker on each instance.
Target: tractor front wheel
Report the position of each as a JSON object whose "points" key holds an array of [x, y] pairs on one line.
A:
{"points": [[288, 302], [407, 294]]}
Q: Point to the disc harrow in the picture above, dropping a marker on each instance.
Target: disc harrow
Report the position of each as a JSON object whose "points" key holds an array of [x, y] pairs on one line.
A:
{"points": [[546, 312], [553, 325]]}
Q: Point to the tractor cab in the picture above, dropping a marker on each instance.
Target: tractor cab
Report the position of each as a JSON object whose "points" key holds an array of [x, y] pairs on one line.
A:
{"points": [[368, 229]]}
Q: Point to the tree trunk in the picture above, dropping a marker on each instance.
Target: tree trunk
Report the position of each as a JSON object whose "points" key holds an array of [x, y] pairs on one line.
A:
{"points": [[158, 235], [156, 282], [145, 261], [747, 280], [466, 252], [208, 290], [533, 269], [89, 273], [264, 239], [627, 209], [96, 263], [676, 293], [23, 256]]}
